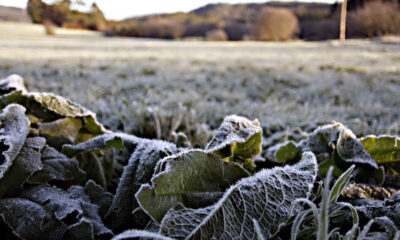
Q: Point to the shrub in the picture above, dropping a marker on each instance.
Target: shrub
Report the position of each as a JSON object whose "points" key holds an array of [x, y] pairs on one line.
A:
{"points": [[216, 35], [375, 19], [275, 24]]}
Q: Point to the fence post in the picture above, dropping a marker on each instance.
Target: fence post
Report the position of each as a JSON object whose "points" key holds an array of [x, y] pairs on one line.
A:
{"points": [[343, 14]]}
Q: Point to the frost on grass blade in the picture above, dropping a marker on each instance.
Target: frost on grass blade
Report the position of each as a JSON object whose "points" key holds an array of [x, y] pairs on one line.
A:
{"points": [[124, 212], [57, 169], [24, 165], [193, 178], [71, 207], [13, 131], [266, 197], [30, 220], [237, 139]]}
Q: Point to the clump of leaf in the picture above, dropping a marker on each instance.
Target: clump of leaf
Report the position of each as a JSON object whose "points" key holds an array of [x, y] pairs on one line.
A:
{"points": [[267, 197], [238, 140], [57, 119], [193, 178], [139, 168], [335, 145]]}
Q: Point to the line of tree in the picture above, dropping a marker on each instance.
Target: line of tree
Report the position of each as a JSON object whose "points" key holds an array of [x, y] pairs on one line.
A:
{"points": [[61, 14], [267, 21]]}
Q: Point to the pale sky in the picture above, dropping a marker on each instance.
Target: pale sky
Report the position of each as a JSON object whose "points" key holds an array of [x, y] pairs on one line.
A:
{"points": [[120, 9]]}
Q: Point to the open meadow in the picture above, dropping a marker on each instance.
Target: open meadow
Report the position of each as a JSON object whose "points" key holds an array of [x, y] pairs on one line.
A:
{"points": [[132, 83]]}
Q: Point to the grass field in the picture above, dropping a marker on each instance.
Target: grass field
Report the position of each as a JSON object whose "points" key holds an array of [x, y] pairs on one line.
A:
{"points": [[132, 83]]}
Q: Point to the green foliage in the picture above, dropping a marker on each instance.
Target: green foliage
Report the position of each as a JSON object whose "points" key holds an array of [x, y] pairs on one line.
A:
{"points": [[95, 184], [237, 140], [385, 151], [193, 178]]}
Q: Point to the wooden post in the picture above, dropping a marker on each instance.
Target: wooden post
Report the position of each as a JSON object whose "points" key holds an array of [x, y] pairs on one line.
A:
{"points": [[343, 14]]}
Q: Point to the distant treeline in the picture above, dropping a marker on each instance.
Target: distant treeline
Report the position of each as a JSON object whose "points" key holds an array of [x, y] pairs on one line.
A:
{"points": [[266, 21], [61, 14]]}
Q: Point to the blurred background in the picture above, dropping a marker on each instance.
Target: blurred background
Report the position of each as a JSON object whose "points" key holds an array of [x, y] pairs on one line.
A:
{"points": [[184, 65]]}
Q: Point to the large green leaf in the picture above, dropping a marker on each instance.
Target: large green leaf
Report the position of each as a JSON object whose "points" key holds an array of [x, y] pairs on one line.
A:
{"points": [[283, 152], [125, 211], [193, 178], [13, 132], [237, 139], [385, 150], [267, 197]]}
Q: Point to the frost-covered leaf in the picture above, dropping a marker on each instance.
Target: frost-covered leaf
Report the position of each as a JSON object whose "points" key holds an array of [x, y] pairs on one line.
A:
{"points": [[57, 168], [388, 230], [69, 206], [385, 150], [237, 139], [133, 234], [47, 107], [51, 107], [29, 220], [93, 167], [24, 165], [98, 196], [81, 230], [338, 138], [283, 152], [116, 140], [369, 209], [12, 83], [11, 90], [266, 197], [181, 221], [13, 131], [124, 212], [193, 178], [104, 156]]}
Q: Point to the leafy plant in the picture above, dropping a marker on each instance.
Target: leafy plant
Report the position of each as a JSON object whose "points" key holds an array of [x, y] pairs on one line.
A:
{"points": [[64, 176]]}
